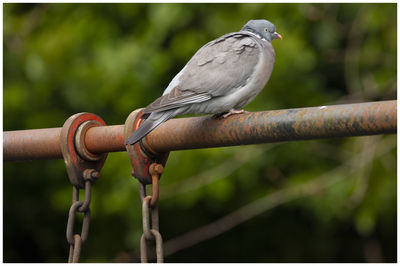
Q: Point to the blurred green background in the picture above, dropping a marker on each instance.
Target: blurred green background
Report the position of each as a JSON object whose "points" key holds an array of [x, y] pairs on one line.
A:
{"points": [[308, 201]]}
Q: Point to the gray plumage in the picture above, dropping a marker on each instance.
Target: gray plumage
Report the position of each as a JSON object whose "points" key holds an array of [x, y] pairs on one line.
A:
{"points": [[224, 75]]}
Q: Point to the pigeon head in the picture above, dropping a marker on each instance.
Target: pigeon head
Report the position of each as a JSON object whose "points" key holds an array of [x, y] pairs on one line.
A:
{"points": [[263, 28]]}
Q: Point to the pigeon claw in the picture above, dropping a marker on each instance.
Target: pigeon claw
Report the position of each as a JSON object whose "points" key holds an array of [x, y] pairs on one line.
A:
{"points": [[234, 112]]}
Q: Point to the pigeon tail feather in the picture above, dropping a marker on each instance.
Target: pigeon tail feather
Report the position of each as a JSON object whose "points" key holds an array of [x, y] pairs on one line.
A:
{"points": [[152, 121]]}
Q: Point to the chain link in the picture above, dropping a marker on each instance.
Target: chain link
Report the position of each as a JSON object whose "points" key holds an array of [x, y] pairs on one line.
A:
{"points": [[151, 231], [76, 240]]}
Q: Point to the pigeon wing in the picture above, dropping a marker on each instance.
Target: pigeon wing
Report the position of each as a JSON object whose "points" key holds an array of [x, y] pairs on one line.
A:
{"points": [[223, 65]]}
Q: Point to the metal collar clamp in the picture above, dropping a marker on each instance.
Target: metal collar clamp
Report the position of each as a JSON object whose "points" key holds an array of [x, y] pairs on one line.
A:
{"points": [[140, 156], [76, 156]]}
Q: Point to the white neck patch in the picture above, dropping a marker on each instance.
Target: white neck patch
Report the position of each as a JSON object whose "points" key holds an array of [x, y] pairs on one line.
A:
{"points": [[254, 34]]}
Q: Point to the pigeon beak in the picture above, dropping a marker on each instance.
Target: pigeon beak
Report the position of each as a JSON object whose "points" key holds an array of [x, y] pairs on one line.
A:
{"points": [[278, 36]]}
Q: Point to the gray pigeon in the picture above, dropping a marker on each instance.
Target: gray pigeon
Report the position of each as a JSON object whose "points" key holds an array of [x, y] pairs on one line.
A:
{"points": [[222, 77]]}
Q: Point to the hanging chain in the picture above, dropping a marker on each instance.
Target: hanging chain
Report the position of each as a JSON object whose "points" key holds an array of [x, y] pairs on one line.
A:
{"points": [[76, 240], [151, 232]]}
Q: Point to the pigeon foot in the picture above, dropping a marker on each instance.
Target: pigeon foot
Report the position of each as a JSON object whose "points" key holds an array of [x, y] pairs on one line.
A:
{"points": [[234, 112]]}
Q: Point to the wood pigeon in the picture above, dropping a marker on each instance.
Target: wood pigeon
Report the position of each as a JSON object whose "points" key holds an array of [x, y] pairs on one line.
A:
{"points": [[222, 77]]}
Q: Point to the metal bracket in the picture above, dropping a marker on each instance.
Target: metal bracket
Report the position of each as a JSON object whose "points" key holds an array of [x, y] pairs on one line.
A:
{"points": [[141, 158], [76, 156]]}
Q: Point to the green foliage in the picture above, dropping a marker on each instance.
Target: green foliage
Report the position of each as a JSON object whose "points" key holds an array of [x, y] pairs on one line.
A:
{"points": [[330, 200]]}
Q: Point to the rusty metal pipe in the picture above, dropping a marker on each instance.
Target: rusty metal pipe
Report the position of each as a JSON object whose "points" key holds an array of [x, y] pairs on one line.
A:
{"points": [[105, 139], [39, 144], [274, 126], [34, 144], [204, 132]]}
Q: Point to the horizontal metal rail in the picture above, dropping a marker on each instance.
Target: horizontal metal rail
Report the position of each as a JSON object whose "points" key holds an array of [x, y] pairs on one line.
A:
{"points": [[346, 120]]}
